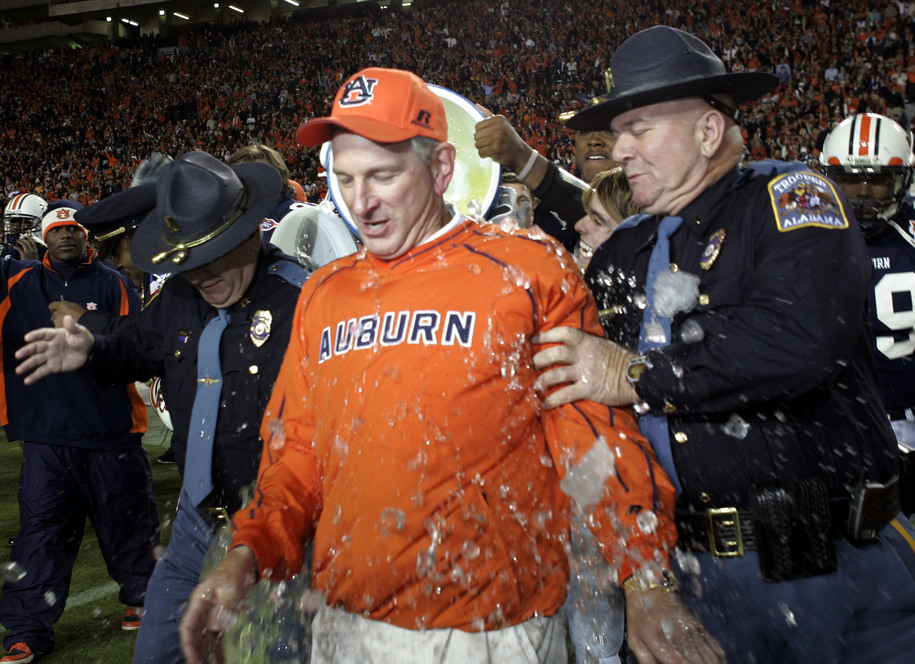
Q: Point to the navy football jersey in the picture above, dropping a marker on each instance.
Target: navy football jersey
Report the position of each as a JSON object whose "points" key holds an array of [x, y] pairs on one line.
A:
{"points": [[892, 309]]}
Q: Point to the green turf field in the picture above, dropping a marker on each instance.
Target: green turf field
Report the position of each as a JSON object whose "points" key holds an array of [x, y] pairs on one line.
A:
{"points": [[89, 632]]}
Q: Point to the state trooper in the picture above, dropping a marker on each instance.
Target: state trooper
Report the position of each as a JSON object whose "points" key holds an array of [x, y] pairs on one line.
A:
{"points": [[736, 312]]}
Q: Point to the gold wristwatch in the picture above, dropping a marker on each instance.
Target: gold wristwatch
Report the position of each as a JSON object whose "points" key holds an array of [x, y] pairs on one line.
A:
{"points": [[649, 580], [635, 369]]}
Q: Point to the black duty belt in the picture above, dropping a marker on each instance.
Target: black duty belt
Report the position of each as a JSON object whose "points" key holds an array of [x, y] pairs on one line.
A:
{"points": [[730, 531], [722, 531]]}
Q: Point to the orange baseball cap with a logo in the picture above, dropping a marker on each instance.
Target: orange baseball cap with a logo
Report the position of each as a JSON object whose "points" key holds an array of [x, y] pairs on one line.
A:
{"points": [[382, 105]]}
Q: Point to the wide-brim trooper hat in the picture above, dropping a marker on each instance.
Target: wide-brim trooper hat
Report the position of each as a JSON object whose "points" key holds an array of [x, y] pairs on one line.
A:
{"points": [[119, 213], [204, 209], [661, 64]]}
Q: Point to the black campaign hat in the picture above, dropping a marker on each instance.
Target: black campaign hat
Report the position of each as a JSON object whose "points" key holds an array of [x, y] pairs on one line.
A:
{"points": [[119, 213], [660, 64], [204, 209]]}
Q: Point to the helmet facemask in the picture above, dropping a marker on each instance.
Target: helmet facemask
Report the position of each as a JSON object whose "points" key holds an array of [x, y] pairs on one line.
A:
{"points": [[874, 193], [18, 225]]}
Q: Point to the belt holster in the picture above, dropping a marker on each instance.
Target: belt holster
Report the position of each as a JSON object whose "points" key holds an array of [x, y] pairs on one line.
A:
{"points": [[872, 506], [794, 532]]}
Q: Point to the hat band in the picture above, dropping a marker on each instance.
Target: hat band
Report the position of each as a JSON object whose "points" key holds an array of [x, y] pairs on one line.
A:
{"points": [[720, 106], [111, 234], [180, 249]]}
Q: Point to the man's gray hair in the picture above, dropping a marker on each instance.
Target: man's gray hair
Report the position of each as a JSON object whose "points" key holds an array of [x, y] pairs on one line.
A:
{"points": [[423, 146]]}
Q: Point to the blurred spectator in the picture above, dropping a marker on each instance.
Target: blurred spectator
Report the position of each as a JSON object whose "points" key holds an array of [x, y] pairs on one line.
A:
{"points": [[288, 201], [608, 200]]}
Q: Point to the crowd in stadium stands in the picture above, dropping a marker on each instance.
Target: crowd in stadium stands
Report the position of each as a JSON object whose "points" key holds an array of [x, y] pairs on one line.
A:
{"points": [[77, 122]]}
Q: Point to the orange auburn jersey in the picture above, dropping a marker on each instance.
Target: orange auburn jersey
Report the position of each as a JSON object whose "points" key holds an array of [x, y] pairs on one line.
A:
{"points": [[405, 436]]}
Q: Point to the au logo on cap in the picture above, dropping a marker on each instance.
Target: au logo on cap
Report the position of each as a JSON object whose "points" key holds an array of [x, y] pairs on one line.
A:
{"points": [[358, 91]]}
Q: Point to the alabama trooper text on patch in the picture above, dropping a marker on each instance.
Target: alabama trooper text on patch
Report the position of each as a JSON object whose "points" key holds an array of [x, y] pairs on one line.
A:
{"points": [[802, 199]]}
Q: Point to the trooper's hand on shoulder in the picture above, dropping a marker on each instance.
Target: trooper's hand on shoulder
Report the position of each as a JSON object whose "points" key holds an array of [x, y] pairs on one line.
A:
{"points": [[591, 368]]}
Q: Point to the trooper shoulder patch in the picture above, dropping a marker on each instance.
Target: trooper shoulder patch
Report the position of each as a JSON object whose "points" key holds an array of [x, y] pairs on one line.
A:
{"points": [[803, 198]]}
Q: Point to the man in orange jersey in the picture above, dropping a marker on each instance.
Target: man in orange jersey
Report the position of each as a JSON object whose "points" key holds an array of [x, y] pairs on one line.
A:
{"points": [[405, 438]]}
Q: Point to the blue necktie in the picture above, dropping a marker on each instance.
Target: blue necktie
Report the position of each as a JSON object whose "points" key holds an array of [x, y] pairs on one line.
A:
{"points": [[655, 333], [198, 466]]}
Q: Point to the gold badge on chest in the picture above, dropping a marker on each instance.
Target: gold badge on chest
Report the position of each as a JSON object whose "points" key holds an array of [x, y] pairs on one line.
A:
{"points": [[260, 327], [712, 249]]}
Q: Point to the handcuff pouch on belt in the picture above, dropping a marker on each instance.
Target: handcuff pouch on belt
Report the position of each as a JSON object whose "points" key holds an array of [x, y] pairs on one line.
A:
{"points": [[872, 506], [794, 530]]}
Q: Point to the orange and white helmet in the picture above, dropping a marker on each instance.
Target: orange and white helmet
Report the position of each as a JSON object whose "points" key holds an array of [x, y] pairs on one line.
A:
{"points": [[870, 148], [157, 400], [23, 214]]}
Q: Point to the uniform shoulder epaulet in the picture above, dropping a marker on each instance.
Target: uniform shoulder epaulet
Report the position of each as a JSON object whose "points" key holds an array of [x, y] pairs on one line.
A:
{"points": [[290, 272], [767, 168]]}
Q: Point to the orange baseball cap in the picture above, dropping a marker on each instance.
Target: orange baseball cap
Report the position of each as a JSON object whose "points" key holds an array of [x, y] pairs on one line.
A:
{"points": [[382, 105]]}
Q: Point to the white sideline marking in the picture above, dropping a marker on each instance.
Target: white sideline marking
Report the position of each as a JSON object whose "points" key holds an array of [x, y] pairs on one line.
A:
{"points": [[86, 596]]}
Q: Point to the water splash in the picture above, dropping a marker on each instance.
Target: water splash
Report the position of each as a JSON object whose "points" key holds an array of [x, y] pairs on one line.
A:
{"points": [[691, 331], [470, 550], [675, 292], [584, 482], [391, 520], [790, 618], [737, 427], [11, 572], [277, 434], [647, 521]]}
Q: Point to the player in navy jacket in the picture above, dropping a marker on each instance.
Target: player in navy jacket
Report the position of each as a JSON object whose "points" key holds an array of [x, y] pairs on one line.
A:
{"points": [[81, 447]]}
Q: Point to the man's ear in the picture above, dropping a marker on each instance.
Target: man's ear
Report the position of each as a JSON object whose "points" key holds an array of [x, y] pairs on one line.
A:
{"points": [[711, 128], [442, 166]]}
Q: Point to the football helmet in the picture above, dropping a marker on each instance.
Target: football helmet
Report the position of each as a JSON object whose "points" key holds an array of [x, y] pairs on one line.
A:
{"points": [[870, 157], [22, 216]]}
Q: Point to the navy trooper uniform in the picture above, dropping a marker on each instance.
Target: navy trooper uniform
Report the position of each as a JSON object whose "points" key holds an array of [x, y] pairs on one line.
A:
{"points": [[774, 418], [892, 312], [162, 341]]}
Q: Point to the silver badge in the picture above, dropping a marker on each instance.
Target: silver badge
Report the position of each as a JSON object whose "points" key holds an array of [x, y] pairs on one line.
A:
{"points": [[260, 327]]}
